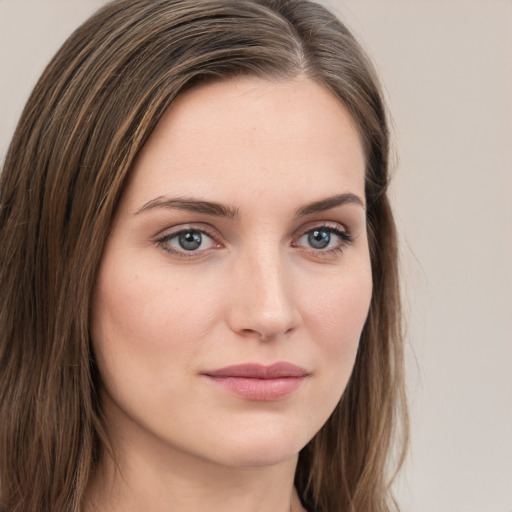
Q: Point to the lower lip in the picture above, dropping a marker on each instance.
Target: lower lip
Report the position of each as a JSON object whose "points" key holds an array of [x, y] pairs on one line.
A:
{"points": [[259, 389]]}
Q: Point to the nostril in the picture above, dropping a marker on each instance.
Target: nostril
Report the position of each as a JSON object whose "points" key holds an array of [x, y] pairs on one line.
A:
{"points": [[251, 332], [266, 335]]}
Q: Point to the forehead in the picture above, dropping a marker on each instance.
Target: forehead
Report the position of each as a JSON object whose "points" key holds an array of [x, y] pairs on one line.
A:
{"points": [[244, 133]]}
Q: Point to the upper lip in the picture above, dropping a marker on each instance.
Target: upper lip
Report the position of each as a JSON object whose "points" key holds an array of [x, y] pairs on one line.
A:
{"points": [[259, 371]]}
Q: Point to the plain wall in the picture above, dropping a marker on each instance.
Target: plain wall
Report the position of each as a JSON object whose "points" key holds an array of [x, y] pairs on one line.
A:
{"points": [[447, 70]]}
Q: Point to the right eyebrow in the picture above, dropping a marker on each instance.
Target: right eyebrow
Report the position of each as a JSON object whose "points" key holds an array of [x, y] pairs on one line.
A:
{"points": [[190, 205]]}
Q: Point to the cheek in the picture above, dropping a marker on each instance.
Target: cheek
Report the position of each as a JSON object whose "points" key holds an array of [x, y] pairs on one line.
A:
{"points": [[144, 323], [335, 318], [341, 306], [152, 303]]}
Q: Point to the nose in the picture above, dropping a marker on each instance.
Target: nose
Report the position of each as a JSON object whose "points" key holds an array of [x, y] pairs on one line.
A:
{"points": [[263, 304]]}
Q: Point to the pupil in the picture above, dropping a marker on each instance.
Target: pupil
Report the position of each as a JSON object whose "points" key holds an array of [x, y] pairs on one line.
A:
{"points": [[319, 239], [189, 241]]}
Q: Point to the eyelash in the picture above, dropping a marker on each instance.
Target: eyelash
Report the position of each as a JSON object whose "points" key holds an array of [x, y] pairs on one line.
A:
{"points": [[345, 239], [163, 242]]}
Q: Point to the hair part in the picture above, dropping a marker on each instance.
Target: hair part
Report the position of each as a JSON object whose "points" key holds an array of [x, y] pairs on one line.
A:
{"points": [[89, 115]]}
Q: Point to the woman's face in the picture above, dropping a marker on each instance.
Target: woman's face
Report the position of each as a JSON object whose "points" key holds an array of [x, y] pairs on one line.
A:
{"points": [[236, 281]]}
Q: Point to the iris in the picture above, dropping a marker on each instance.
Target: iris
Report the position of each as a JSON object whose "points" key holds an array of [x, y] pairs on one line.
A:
{"points": [[319, 239]]}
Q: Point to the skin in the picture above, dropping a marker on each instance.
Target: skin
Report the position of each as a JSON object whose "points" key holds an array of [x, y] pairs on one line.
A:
{"points": [[255, 290]]}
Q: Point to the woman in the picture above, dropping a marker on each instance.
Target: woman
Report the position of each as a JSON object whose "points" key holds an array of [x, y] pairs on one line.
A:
{"points": [[199, 306]]}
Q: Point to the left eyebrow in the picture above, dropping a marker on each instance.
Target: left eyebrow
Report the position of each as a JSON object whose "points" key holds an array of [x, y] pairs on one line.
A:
{"points": [[329, 203]]}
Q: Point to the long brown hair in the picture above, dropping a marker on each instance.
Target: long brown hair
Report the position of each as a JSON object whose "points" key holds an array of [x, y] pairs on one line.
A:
{"points": [[88, 116]]}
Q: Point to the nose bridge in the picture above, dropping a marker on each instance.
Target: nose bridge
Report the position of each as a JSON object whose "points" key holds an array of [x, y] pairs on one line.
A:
{"points": [[264, 301]]}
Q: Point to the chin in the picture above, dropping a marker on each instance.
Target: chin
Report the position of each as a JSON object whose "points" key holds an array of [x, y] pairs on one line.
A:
{"points": [[257, 456], [266, 445]]}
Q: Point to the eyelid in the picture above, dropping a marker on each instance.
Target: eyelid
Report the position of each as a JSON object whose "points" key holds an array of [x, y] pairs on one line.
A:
{"points": [[338, 229], [188, 226], [163, 236], [328, 225]]}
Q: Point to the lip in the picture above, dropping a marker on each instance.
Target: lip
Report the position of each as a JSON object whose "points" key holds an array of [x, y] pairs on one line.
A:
{"points": [[254, 381]]}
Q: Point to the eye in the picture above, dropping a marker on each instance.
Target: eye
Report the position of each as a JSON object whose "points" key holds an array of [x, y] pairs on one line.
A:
{"points": [[319, 238], [186, 242], [324, 238]]}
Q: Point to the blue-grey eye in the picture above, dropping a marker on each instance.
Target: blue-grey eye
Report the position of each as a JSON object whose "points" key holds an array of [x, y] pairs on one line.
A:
{"points": [[319, 238], [189, 240], [324, 237]]}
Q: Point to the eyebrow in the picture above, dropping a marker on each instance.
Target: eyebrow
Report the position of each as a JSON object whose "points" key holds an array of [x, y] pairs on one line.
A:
{"points": [[231, 212], [191, 205], [329, 203]]}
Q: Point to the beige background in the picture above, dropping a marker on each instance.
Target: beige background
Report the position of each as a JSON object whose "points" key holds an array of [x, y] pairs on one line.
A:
{"points": [[447, 69]]}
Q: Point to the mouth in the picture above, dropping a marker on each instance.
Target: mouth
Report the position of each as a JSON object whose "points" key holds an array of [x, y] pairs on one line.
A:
{"points": [[259, 382]]}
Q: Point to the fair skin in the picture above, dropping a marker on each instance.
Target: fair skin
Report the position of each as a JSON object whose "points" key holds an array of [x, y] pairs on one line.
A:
{"points": [[241, 238]]}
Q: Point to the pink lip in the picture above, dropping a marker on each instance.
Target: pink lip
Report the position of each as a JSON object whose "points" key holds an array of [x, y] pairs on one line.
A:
{"points": [[259, 382]]}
